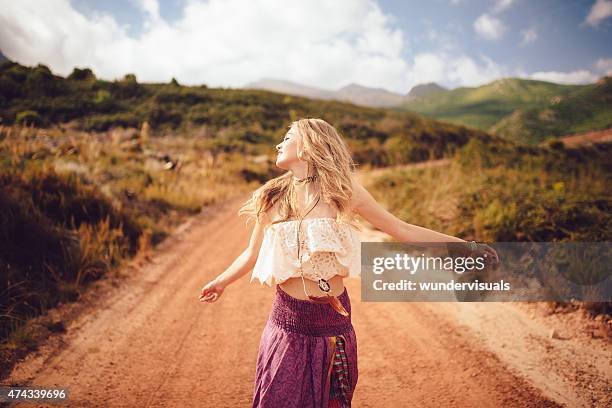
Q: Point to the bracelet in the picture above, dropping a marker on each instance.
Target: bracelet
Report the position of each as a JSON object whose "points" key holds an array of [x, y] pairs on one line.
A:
{"points": [[472, 245]]}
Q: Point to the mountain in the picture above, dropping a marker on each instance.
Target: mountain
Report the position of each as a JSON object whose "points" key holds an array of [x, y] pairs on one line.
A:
{"points": [[2, 58], [586, 108], [483, 106], [353, 93], [364, 96], [425, 90], [290, 88]]}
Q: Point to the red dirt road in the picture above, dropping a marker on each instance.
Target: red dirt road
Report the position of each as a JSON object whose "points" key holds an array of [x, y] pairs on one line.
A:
{"points": [[150, 343]]}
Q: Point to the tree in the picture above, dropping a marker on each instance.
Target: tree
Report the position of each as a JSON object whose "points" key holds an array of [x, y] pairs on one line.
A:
{"points": [[130, 78], [82, 74]]}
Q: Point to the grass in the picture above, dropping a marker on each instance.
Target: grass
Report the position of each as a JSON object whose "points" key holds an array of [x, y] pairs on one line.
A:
{"points": [[493, 193], [74, 206]]}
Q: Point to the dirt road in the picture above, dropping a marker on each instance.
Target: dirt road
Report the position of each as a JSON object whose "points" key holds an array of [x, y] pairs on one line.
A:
{"points": [[151, 343]]}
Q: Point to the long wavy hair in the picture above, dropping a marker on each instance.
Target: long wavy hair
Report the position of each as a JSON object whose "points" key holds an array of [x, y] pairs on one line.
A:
{"points": [[327, 154]]}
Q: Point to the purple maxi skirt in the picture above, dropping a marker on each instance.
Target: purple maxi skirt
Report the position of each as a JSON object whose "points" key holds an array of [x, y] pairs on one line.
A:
{"points": [[296, 354]]}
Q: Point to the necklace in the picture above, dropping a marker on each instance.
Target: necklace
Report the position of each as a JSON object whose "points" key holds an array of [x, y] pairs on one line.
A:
{"points": [[323, 284], [309, 179]]}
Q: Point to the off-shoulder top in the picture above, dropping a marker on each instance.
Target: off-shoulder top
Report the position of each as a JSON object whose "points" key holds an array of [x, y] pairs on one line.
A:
{"points": [[333, 247]]}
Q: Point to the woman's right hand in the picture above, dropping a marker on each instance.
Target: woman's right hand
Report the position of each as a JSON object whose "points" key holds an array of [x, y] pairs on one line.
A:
{"points": [[211, 291]]}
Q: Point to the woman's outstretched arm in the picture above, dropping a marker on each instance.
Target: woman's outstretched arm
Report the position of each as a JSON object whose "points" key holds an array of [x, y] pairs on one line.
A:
{"points": [[366, 206], [246, 261], [240, 266]]}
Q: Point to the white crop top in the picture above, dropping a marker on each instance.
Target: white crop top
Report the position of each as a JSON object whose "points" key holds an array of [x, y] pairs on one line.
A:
{"points": [[335, 249]]}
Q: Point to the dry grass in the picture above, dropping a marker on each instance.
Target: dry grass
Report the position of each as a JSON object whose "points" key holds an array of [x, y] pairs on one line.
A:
{"points": [[83, 203]]}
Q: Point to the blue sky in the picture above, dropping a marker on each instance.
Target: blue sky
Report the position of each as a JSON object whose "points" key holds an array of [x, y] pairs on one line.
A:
{"points": [[390, 44], [562, 42]]}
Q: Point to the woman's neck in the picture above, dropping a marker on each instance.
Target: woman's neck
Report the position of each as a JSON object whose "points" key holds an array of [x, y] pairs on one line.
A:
{"points": [[306, 196]]}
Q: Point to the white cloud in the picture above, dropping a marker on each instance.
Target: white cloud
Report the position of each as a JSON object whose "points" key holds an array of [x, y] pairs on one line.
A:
{"points": [[528, 35], [581, 76], [604, 66], [453, 70], [439, 38], [502, 5], [149, 6], [600, 10], [220, 43], [489, 27]]}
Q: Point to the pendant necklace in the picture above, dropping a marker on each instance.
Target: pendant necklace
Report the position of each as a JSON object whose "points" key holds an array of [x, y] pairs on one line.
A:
{"points": [[323, 284]]}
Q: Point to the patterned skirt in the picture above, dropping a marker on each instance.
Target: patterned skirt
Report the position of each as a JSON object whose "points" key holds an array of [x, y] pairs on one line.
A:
{"points": [[307, 355]]}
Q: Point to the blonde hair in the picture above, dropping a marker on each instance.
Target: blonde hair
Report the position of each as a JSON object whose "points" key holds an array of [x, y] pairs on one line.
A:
{"points": [[326, 152]]}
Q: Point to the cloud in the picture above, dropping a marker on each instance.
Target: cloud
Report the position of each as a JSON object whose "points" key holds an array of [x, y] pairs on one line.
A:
{"points": [[437, 37], [488, 27], [502, 5], [600, 10], [453, 69], [220, 43], [604, 66], [151, 8], [528, 35], [581, 76]]}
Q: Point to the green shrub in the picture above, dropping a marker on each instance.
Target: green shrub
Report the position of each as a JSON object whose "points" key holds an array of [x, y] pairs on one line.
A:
{"points": [[28, 118]]}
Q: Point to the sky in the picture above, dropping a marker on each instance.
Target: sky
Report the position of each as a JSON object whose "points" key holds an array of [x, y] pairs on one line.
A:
{"points": [[389, 44]]}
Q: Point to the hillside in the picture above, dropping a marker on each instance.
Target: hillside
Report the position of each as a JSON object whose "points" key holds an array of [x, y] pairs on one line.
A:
{"points": [[482, 107], [249, 121], [425, 90], [585, 109]]}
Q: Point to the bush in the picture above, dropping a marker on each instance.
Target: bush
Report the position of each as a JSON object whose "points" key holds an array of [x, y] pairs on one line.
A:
{"points": [[82, 74], [555, 144], [29, 117], [55, 233]]}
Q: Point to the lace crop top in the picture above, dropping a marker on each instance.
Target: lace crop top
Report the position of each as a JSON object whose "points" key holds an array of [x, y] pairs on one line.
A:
{"points": [[333, 247]]}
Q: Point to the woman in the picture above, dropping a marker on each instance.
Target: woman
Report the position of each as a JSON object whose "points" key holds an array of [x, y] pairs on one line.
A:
{"points": [[304, 242]]}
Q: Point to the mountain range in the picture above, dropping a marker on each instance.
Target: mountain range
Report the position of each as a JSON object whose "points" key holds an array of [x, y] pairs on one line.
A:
{"points": [[582, 109], [485, 105], [357, 94], [520, 109]]}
